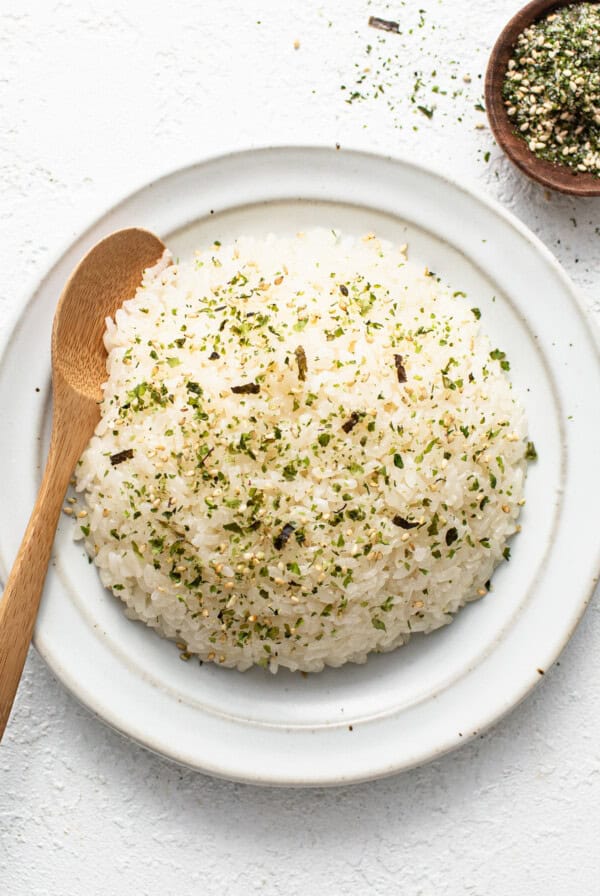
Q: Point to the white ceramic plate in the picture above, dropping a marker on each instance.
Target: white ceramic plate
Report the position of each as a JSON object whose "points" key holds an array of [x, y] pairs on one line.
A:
{"points": [[406, 707]]}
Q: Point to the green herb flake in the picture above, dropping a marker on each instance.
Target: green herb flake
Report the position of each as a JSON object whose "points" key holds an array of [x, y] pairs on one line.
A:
{"points": [[531, 452], [497, 355]]}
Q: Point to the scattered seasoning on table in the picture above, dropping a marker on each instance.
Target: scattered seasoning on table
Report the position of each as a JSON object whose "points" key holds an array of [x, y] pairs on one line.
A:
{"points": [[384, 24], [426, 110], [398, 69], [552, 87]]}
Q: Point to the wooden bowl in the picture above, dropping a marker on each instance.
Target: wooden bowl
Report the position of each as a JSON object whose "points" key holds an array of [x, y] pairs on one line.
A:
{"points": [[557, 177]]}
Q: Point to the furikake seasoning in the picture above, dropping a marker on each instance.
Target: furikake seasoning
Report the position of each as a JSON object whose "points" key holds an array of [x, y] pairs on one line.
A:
{"points": [[552, 87]]}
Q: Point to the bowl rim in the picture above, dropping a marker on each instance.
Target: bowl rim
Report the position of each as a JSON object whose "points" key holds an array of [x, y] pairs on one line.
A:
{"points": [[551, 175]]}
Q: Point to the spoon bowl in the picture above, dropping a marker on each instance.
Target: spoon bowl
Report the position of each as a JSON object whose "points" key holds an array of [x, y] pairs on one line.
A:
{"points": [[107, 276], [549, 174]]}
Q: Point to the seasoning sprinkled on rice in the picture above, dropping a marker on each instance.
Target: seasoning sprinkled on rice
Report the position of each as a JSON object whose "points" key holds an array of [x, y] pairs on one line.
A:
{"points": [[289, 472]]}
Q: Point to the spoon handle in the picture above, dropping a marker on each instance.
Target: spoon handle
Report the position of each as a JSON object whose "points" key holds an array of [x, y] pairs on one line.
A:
{"points": [[19, 604]]}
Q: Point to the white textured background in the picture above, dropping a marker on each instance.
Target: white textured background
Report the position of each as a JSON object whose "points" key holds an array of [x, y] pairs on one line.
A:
{"points": [[96, 98]]}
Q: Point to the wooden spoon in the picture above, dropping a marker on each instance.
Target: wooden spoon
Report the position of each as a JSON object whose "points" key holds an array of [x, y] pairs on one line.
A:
{"points": [[107, 276]]}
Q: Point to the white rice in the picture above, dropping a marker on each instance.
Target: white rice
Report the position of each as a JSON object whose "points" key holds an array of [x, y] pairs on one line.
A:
{"points": [[272, 526]]}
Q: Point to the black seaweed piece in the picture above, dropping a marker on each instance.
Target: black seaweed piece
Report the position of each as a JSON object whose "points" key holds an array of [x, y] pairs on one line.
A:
{"points": [[349, 425], [214, 356], [401, 372], [451, 536], [120, 456], [280, 540], [402, 523], [384, 24], [301, 361], [246, 389]]}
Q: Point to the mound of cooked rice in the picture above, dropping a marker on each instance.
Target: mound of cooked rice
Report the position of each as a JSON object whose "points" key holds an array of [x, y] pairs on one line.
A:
{"points": [[307, 451]]}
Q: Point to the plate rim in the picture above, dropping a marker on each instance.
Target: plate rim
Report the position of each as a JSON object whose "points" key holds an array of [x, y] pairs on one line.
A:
{"points": [[35, 283]]}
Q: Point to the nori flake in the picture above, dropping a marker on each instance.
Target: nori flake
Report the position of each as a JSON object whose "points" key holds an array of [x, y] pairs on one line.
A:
{"points": [[400, 371], [120, 456], [246, 389], [280, 540]]}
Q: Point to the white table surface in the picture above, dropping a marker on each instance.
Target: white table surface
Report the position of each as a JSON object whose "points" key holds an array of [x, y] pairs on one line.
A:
{"points": [[99, 97]]}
